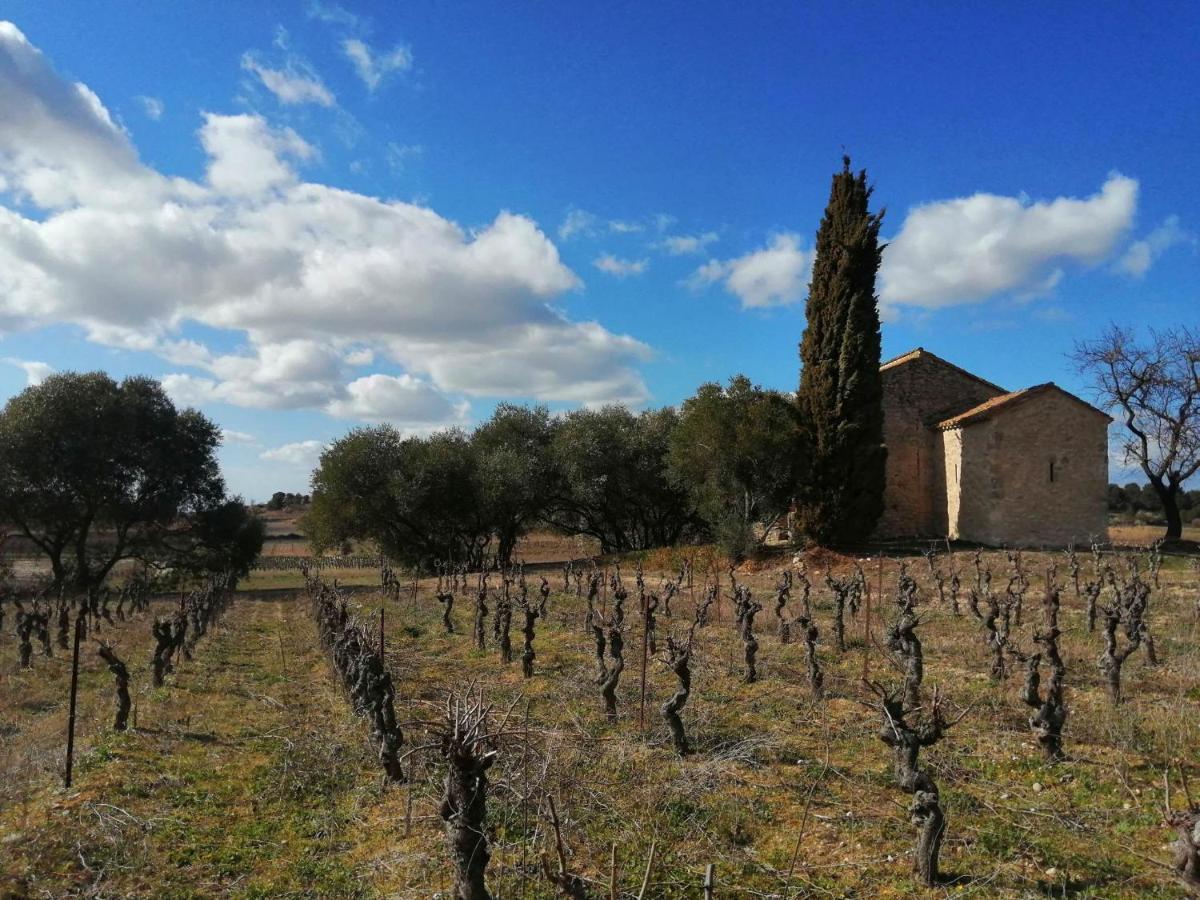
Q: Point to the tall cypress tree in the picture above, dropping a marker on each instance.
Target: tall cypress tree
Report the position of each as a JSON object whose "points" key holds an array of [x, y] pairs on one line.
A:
{"points": [[840, 495]]}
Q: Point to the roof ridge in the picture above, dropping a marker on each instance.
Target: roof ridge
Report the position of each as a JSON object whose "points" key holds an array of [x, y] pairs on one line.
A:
{"points": [[919, 352], [984, 409]]}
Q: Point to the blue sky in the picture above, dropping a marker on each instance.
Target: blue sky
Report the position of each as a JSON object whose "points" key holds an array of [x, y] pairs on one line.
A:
{"points": [[305, 216]]}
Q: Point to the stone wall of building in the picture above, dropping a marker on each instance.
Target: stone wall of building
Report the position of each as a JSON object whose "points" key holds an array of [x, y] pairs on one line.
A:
{"points": [[950, 444], [1032, 475], [917, 392]]}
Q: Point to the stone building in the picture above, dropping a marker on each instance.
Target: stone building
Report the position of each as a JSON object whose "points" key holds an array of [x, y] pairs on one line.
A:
{"points": [[971, 461]]}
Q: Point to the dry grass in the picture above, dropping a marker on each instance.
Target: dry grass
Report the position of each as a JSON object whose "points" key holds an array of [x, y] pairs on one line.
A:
{"points": [[250, 777], [1145, 535]]}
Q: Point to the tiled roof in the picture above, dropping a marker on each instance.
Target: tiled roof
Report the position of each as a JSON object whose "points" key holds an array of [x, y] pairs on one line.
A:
{"points": [[989, 408], [922, 353]]}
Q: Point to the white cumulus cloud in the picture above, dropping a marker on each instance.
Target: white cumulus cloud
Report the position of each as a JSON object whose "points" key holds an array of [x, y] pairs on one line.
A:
{"points": [[776, 275], [315, 281], [302, 454], [35, 372], [971, 248], [248, 156], [401, 400], [1143, 253]]}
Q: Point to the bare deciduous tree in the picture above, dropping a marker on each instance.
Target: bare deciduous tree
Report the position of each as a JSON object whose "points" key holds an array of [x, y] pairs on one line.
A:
{"points": [[1155, 389]]}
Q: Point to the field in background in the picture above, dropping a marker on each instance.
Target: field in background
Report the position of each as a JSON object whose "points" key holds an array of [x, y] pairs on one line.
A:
{"points": [[1145, 535]]}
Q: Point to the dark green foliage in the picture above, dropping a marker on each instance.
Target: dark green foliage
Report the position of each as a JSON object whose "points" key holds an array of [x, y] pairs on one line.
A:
{"points": [[454, 496], [1143, 501], [281, 500], [515, 470], [734, 451], [613, 480], [840, 495], [94, 472], [222, 538], [416, 498]]}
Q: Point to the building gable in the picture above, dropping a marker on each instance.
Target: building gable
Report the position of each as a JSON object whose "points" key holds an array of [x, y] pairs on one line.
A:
{"points": [[1007, 402]]}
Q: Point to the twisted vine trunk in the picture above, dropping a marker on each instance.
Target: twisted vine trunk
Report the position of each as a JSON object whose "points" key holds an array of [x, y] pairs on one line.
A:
{"points": [[504, 627], [679, 660], [41, 624], [925, 810], [528, 656], [1091, 591], [1113, 659], [783, 592], [164, 640], [601, 645], [839, 613], [464, 810], [902, 638], [816, 677], [710, 596], [1050, 712], [25, 625], [749, 640], [121, 674], [608, 687], [481, 612], [593, 592], [447, 600], [1186, 861]]}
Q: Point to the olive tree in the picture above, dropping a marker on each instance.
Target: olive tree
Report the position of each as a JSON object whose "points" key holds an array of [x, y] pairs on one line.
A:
{"points": [[515, 470], [95, 471], [734, 451], [415, 498], [613, 482]]}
